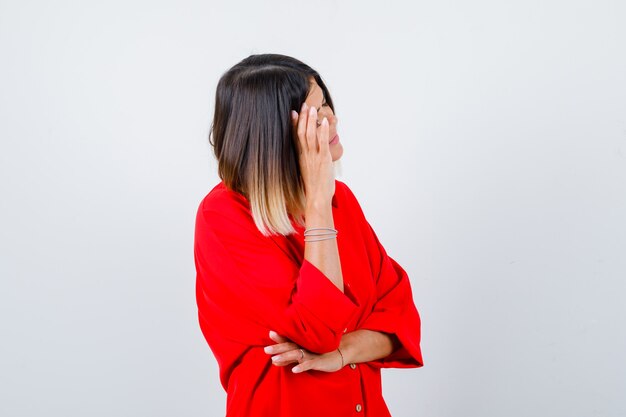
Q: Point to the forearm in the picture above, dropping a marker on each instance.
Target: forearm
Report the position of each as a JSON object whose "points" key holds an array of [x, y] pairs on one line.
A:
{"points": [[324, 254], [367, 345]]}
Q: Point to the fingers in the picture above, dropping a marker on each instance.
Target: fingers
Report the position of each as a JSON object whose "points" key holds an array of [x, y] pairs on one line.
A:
{"points": [[307, 127], [294, 128], [285, 351], [277, 338], [327, 362], [301, 129], [309, 361], [311, 129], [304, 366], [310, 136], [324, 137], [280, 348], [294, 355]]}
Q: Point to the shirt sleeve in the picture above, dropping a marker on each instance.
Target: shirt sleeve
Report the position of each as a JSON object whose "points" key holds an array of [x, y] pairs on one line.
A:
{"points": [[249, 286], [394, 312]]}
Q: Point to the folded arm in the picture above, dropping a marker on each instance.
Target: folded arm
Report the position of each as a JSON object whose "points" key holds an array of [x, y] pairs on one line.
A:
{"points": [[356, 347], [245, 281], [389, 336]]}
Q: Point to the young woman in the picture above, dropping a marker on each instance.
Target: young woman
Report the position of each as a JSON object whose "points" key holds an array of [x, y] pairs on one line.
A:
{"points": [[297, 298]]}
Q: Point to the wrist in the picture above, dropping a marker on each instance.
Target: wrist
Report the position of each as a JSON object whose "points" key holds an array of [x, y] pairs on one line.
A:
{"points": [[318, 205], [347, 349], [319, 215], [343, 360]]}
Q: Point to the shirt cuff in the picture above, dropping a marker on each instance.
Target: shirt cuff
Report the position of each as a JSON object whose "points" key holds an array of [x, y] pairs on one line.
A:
{"points": [[323, 299], [407, 330]]}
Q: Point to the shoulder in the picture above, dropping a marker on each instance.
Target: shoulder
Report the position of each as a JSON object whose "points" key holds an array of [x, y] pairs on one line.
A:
{"points": [[221, 198], [344, 194], [222, 203]]}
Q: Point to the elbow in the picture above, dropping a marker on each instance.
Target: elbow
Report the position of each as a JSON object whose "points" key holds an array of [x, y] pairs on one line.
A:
{"points": [[321, 344], [318, 339], [318, 327]]}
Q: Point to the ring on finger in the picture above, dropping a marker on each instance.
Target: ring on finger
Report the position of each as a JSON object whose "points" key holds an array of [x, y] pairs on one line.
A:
{"points": [[301, 354]]}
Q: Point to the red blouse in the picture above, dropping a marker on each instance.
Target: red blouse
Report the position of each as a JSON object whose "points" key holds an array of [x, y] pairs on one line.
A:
{"points": [[248, 284]]}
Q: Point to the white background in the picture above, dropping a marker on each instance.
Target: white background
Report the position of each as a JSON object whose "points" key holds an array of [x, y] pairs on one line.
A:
{"points": [[485, 140]]}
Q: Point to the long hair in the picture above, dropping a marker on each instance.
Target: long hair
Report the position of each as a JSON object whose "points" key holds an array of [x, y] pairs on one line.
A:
{"points": [[253, 138]]}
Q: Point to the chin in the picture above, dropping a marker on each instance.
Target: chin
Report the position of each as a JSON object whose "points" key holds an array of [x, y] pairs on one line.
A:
{"points": [[336, 153]]}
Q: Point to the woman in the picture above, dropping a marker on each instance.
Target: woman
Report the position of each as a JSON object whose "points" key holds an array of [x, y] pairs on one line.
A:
{"points": [[297, 298]]}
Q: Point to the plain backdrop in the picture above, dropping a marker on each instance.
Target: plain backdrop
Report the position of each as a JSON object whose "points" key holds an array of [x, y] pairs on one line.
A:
{"points": [[485, 141]]}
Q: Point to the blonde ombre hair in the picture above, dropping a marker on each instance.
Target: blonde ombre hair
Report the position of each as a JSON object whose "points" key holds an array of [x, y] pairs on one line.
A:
{"points": [[253, 139]]}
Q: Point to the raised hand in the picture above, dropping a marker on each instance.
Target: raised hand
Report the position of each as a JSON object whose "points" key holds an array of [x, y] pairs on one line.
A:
{"points": [[316, 163]]}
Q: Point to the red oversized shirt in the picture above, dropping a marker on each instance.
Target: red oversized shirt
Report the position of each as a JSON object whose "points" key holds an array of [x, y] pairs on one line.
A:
{"points": [[248, 284]]}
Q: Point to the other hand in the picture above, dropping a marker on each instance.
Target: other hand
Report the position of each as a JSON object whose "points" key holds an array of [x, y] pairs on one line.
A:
{"points": [[285, 352]]}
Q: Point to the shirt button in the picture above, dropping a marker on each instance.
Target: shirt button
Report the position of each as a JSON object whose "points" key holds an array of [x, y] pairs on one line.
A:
{"points": [[353, 366], [358, 408]]}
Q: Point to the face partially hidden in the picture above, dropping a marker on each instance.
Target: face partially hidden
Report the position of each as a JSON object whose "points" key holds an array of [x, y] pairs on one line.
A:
{"points": [[316, 99]]}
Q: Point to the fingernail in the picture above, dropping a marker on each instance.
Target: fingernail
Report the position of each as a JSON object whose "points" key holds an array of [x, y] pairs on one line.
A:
{"points": [[294, 114], [295, 369], [304, 106], [325, 121], [267, 349], [312, 111], [275, 358]]}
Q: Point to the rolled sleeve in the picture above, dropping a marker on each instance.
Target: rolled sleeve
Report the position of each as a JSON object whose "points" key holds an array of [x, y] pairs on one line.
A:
{"points": [[394, 312], [323, 299]]}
